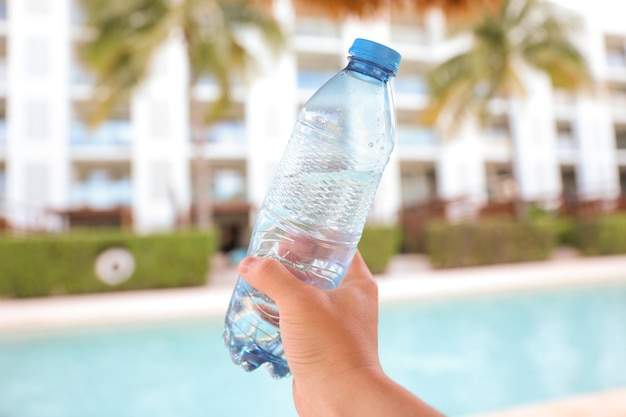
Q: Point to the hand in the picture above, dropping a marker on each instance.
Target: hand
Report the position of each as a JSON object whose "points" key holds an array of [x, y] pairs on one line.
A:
{"points": [[331, 343]]}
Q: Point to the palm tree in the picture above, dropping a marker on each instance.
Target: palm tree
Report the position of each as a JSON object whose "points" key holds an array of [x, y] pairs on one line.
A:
{"points": [[522, 34], [127, 34]]}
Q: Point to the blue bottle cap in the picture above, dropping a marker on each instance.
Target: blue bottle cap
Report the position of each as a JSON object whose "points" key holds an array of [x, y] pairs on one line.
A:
{"points": [[377, 53]]}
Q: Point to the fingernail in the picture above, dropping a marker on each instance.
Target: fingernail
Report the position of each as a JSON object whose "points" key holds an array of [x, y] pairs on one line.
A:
{"points": [[244, 265]]}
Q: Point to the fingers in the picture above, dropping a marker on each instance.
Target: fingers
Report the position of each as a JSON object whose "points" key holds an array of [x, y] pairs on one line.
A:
{"points": [[358, 270], [274, 279], [359, 276], [270, 277]]}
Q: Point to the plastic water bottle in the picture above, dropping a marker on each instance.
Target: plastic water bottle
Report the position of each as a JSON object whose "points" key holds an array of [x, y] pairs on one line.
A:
{"points": [[316, 207]]}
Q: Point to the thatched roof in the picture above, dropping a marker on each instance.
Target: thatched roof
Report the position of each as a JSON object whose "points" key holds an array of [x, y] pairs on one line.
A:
{"points": [[371, 8]]}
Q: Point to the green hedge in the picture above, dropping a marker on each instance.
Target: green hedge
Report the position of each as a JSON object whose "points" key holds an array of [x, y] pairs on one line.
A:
{"points": [[488, 242], [604, 235], [64, 264], [378, 246]]}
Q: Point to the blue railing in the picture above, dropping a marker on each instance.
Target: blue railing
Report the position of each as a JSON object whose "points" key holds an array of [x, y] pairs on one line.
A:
{"points": [[100, 192], [313, 79], [115, 133], [416, 136], [410, 84], [229, 186], [225, 133]]}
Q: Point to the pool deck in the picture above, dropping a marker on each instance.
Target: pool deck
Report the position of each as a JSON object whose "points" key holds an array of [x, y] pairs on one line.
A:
{"points": [[602, 404], [409, 277]]}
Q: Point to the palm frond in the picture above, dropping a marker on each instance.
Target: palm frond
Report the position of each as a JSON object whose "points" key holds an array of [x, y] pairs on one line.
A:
{"points": [[127, 33], [524, 32]]}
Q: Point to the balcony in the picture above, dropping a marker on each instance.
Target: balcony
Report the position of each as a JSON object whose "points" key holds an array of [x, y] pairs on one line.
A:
{"points": [[225, 140], [110, 134], [411, 136], [312, 80], [410, 84], [101, 189], [233, 133]]}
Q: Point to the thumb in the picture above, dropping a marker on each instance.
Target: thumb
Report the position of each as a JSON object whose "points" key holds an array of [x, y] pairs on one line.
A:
{"points": [[271, 277]]}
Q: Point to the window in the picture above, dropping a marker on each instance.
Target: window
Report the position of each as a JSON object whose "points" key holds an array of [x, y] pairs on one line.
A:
{"points": [[101, 185]]}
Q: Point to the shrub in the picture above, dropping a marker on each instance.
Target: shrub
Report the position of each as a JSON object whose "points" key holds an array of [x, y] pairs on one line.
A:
{"points": [[43, 266], [564, 228], [604, 235], [378, 246], [488, 242]]}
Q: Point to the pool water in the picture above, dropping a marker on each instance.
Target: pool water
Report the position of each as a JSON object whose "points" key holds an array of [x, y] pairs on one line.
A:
{"points": [[463, 356]]}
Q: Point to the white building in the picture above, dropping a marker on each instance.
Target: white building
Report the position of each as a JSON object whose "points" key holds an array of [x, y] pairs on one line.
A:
{"points": [[142, 159]]}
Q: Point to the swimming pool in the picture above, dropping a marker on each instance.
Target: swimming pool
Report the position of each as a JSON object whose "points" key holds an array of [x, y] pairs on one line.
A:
{"points": [[463, 356]]}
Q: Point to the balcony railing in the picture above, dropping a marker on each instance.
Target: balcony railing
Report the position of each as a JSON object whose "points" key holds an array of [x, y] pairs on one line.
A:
{"points": [[416, 136], [225, 133], [98, 192], [410, 84], [313, 79], [115, 133]]}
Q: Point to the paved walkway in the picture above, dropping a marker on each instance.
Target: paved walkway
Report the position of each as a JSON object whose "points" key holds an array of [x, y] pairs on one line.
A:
{"points": [[408, 277]]}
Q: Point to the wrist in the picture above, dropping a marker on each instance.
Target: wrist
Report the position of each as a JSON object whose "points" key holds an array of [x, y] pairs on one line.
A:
{"points": [[362, 392]]}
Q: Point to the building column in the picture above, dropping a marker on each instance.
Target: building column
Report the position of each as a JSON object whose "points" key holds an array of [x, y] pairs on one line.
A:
{"points": [[597, 173], [38, 112], [533, 128], [161, 145], [461, 172]]}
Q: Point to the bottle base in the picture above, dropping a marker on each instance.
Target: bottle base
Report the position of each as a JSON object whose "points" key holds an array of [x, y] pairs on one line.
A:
{"points": [[250, 356]]}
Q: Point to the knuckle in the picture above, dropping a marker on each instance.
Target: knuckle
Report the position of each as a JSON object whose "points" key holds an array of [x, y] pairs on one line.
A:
{"points": [[266, 266]]}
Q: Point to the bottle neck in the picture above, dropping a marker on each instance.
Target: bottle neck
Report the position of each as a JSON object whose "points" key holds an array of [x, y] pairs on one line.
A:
{"points": [[369, 68]]}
